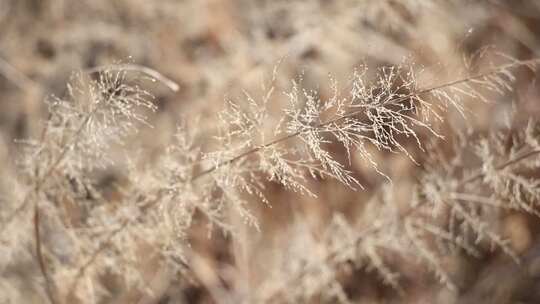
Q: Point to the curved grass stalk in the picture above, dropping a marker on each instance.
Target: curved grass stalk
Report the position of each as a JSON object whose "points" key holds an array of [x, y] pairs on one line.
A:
{"points": [[320, 127]]}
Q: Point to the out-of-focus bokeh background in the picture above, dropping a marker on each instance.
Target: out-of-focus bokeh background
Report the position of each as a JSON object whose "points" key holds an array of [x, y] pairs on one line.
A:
{"points": [[219, 48]]}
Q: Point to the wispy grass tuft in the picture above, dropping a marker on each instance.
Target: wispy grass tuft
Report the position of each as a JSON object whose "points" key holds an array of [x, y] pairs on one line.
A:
{"points": [[79, 233]]}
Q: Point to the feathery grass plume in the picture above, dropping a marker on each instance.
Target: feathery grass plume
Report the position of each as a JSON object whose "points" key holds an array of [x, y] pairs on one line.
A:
{"points": [[382, 113], [453, 213], [460, 207], [56, 170], [80, 129], [162, 199], [378, 113], [409, 234]]}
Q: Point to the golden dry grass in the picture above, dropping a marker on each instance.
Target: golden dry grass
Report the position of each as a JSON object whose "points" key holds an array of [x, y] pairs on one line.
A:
{"points": [[299, 250]]}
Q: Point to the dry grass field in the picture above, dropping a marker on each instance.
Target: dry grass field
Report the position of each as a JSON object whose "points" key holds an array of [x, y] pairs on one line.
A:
{"points": [[269, 151]]}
